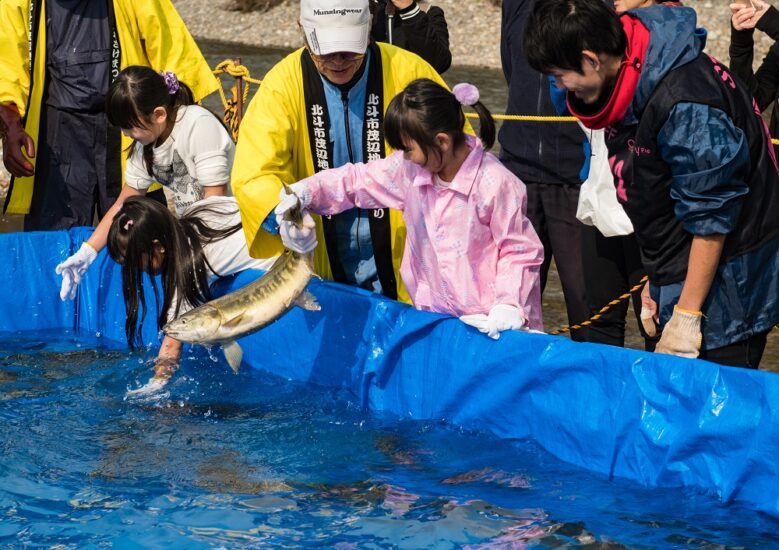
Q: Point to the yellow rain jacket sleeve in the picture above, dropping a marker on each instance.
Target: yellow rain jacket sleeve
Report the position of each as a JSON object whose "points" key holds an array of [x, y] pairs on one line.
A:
{"points": [[150, 32], [273, 147]]}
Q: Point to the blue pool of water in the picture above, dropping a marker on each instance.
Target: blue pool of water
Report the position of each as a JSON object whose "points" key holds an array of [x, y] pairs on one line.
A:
{"points": [[253, 460]]}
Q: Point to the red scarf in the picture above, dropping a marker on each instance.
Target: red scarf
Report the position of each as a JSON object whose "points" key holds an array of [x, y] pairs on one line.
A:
{"points": [[627, 78]]}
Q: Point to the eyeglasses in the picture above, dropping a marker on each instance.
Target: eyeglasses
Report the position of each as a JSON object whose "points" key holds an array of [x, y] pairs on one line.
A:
{"points": [[333, 58]]}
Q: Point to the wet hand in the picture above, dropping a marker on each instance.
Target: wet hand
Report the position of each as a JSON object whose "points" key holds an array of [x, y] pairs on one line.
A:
{"points": [[682, 334], [73, 269], [164, 368]]}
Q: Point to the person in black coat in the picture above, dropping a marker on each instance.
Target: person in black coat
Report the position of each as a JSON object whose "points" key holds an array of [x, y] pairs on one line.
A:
{"points": [[404, 24], [549, 158], [764, 84]]}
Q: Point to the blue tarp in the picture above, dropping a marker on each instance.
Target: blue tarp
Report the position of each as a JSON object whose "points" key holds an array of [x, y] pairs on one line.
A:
{"points": [[658, 420]]}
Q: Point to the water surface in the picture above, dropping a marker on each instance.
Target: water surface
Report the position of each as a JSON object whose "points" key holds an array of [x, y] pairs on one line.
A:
{"points": [[254, 460]]}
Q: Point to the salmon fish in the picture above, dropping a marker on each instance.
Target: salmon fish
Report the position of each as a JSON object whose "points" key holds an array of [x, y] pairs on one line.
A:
{"points": [[252, 307]]}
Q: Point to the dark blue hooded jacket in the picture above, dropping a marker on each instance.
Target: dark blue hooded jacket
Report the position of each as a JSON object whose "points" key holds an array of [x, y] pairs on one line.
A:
{"points": [[710, 166]]}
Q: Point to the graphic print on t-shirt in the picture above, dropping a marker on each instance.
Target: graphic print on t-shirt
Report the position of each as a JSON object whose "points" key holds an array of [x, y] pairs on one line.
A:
{"points": [[176, 178]]}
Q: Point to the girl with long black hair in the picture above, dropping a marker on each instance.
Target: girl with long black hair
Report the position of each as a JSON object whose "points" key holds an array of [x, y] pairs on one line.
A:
{"points": [[177, 143], [188, 254]]}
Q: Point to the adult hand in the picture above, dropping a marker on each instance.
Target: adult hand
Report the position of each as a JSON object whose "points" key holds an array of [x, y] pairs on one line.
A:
{"points": [[15, 139], [682, 334], [73, 269], [298, 238], [649, 316], [290, 196], [746, 16]]}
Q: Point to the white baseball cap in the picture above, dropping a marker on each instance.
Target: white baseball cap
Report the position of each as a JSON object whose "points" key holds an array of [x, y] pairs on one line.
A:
{"points": [[335, 25]]}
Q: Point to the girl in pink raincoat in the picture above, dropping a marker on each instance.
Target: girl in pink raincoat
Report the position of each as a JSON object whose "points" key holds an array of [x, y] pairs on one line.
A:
{"points": [[470, 250]]}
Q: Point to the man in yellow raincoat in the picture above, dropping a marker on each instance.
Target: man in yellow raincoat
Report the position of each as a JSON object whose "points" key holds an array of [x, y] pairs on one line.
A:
{"points": [[321, 107], [58, 58]]}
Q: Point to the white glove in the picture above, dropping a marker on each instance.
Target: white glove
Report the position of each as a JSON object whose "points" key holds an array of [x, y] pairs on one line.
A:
{"points": [[299, 238], [682, 334], [502, 317], [73, 269], [288, 201], [479, 321]]}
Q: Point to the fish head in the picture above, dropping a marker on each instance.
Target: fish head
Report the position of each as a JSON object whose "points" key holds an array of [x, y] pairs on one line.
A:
{"points": [[294, 214], [201, 325]]}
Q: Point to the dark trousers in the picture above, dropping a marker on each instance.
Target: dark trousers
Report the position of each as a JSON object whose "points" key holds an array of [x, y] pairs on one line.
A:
{"points": [[71, 187], [551, 209], [70, 174], [746, 353], [612, 266]]}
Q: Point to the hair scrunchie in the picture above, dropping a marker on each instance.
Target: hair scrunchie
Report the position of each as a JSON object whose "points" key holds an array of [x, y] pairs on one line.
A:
{"points": [[467, 94], [171, 81]]}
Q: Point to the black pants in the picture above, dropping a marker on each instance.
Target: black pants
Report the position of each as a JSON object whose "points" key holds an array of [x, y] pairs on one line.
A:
{"points": [[746, 353], [551, 209], [71, 187], [612, 266], [70, 175]]}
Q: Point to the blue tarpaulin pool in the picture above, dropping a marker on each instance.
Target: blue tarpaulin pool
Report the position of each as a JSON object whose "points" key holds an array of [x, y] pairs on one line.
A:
{"points": [[657, 420]]}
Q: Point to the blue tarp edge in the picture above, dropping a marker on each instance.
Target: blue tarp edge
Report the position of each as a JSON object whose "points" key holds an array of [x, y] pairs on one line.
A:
{"points": [[659, 420]]}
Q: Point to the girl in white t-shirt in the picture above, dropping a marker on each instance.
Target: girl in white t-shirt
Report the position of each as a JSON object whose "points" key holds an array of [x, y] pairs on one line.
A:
{"points": [[188, 253], [177, 143]]}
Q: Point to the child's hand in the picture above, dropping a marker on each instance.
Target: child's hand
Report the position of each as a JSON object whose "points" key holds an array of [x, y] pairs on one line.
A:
{"points": [[73, 269], [165, 368], [502, 317]]}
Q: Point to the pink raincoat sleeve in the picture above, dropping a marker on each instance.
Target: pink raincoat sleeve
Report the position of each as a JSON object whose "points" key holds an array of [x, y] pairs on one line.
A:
{"points": [[520, 253], [378, 184]]}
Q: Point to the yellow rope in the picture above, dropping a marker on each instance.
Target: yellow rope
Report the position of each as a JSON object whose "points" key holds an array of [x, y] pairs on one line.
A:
{"points": [[229, 67], [603, 310], [531, 118]]}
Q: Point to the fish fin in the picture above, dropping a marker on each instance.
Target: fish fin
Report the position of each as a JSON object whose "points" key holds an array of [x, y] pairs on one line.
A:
{"points": [[233, 354], [234, 322], [307, 301]]}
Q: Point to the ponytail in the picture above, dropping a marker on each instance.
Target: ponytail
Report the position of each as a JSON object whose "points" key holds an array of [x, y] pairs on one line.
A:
{"points": [[425, 108]]}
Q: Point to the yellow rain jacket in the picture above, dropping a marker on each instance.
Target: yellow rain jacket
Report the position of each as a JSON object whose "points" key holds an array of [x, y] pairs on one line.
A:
{"points": [[150, 33], [273, 147]]}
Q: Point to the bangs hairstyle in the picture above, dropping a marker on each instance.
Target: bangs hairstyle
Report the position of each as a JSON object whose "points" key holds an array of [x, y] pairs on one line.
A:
{"points": [[136, 92], [558, 31], [423, 110], [141, 226], [132, 98]]}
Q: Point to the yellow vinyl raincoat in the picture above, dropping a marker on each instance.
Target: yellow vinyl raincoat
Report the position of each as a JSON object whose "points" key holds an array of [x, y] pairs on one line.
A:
{"points": [[150, 33], [273, 147]]}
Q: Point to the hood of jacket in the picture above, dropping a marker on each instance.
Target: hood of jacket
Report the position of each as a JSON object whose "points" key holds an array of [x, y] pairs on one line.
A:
{"points": [[674, 40]]}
